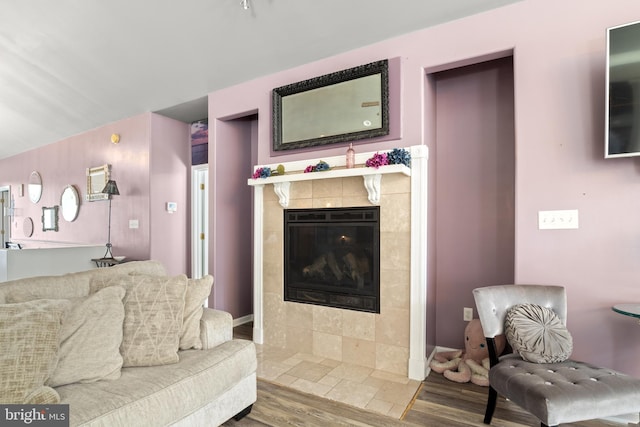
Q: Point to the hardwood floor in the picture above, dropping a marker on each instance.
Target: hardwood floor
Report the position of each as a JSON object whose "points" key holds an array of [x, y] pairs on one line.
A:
{"points": [[439, 402]]}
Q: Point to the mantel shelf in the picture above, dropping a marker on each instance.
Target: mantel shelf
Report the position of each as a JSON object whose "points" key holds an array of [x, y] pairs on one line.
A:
{"points": [[371, 176]]}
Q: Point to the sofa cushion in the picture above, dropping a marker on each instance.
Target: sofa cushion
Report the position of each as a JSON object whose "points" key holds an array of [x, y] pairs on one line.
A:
{"points": [[90, 339], [537, 334], [197, 292], [67, 286], [29, 342], [149, 267], [161, 395], [153, 311]]}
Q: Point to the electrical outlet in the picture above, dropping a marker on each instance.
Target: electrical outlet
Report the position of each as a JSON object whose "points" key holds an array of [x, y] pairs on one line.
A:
{"points": [[467, 314]]}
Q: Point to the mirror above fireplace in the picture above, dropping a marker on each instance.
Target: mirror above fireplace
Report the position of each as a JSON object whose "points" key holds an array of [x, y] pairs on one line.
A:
{"points": [[343, 106]]}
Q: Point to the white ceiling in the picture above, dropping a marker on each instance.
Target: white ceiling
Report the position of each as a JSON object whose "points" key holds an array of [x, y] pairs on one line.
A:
{"points": [[68, 66]]}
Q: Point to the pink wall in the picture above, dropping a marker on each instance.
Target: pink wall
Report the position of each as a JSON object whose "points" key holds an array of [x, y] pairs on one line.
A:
{"points": [[475, 180], [559, 107], [65, 162], [170, 155], [230, 259]]}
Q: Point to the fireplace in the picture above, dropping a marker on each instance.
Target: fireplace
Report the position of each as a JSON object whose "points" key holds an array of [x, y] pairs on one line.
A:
{"points": [[331, 257]]}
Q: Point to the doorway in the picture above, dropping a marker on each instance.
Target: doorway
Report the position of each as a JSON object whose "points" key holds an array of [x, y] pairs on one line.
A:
{"points": [[199, 221], [475, 188], [6, 208]]}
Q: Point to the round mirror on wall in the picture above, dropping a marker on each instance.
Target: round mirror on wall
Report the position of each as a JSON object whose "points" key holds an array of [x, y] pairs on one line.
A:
{"points": [[70, 203], [34, 187], [27, 227]]}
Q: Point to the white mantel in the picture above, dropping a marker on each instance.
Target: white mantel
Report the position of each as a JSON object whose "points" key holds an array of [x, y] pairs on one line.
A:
{"points": [[371, 178], [417, 364]]}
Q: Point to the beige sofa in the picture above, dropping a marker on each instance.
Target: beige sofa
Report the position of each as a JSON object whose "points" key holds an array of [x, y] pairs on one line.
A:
{"points": [[133, 378]]}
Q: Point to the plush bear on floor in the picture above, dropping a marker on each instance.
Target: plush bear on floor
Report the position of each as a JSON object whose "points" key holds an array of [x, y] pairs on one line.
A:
{"points": [[472, 364]]}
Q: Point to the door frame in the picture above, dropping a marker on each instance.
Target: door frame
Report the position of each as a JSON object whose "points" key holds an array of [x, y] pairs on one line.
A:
{"points": [[199, 221]]}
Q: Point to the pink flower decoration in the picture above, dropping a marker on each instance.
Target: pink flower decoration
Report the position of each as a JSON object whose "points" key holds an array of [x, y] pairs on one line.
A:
{"points": [[377, 160]]}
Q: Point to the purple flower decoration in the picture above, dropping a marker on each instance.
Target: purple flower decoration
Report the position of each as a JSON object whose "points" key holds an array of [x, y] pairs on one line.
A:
{"points": [[377, 160], [321, 166], [261, 173], [399, 156]]}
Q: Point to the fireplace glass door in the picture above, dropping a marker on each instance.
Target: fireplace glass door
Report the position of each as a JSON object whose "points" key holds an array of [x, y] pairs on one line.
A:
{"points": [[332, 256]]}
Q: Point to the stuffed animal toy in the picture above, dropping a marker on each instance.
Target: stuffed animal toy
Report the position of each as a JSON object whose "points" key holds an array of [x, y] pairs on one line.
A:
{"points": [[472, 364]]}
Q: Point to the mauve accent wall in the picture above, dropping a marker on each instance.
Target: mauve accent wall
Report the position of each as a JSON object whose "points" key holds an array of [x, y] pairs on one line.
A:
{"points": [[559, 65], [170, 161], [231, 213], [65, 162], [475, 180]]}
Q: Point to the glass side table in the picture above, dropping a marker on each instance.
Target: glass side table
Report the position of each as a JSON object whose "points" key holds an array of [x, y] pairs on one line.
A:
{"points": [[631, 310]]}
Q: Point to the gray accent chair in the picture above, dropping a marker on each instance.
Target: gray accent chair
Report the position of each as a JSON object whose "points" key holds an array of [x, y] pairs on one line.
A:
{"points": [[554, 393]]}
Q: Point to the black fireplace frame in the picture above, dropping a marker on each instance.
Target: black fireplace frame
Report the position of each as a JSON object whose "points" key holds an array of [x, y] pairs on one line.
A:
{"points": [[367, 300]]}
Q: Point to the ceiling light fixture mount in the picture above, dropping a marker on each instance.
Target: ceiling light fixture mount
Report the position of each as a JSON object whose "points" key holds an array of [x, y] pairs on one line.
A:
{"points": [[245, 4]]}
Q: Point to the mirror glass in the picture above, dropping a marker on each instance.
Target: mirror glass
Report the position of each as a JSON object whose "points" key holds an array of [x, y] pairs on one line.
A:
{"points": [[96, 180], [27, 227], [69, 203], [50, 218], [343, 106], [35, 187]]}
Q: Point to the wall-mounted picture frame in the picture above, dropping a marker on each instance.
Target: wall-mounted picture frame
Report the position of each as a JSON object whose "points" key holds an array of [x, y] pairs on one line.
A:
{"points": [[50, 218], [97, 178], [347, 105]]}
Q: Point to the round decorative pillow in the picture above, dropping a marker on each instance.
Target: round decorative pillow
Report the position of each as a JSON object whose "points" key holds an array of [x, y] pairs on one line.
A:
{"points": [[537, 334]]}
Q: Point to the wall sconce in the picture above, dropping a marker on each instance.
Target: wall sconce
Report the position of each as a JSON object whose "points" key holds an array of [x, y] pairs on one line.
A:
{"points": [[111, 189], [115, 138]]}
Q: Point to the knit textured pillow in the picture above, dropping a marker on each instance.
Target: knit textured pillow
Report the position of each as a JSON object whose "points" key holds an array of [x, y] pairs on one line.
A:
{"points": [[153, 310], [197, 291], [537, 334], [29, 342], [90, 339]]}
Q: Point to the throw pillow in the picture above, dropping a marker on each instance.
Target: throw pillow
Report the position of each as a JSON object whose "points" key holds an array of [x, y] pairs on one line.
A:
{"points": [[537, 334], [153, 310], [90, 339], [73, 285], [197, 292], [29, 341]]}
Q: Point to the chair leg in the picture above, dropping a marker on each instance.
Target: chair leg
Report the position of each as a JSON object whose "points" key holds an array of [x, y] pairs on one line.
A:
{"points": [[491, 405]]}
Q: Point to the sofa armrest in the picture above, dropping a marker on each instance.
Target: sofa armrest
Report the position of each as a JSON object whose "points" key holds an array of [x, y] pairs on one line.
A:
{"points": [[216, 327]]}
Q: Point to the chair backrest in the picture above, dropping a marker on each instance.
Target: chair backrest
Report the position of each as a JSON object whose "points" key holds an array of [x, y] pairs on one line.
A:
{"points": [[493, 302]]}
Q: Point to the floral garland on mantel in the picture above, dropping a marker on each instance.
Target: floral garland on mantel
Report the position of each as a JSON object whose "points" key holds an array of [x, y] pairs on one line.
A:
{"points": [[397, 156]]}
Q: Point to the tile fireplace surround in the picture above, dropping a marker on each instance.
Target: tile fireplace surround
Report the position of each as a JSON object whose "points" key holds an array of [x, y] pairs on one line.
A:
{"points": [[392, 341]]}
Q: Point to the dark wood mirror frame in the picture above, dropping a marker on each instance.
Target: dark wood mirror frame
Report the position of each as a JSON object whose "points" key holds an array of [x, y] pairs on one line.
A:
{"points": [[307, 88]]}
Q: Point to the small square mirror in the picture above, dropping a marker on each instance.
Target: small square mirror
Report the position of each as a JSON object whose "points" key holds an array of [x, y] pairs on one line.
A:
{"points": [[50, 218]]}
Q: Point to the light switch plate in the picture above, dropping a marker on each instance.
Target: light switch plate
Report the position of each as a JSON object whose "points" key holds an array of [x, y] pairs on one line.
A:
{"points": [[133, 223], [558, 220]]}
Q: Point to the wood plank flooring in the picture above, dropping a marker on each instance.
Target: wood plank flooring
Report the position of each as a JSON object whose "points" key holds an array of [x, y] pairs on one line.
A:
{"points": [[439, 402]]}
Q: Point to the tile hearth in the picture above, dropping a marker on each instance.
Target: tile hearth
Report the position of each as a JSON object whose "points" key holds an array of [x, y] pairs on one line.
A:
{"points": [[378, 391]]}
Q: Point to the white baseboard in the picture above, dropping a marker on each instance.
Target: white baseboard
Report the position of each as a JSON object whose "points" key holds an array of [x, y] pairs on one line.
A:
{"points": [[242, 320]]}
